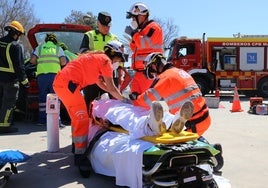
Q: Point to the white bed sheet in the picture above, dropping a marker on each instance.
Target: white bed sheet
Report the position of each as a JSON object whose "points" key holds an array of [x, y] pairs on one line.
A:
{"points": [[115, 154]]}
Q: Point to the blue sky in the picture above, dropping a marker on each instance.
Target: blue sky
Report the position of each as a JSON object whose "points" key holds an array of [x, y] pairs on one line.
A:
{"points": [[193, 17]]}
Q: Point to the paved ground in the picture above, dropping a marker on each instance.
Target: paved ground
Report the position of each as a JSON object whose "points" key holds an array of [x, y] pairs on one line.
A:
{"points": [[244, 140], [243, 136]]}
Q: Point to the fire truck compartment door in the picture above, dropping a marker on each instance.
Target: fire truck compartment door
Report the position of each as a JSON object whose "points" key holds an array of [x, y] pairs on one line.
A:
{"points": [[246, 83], [251, 58], [224, 83]]}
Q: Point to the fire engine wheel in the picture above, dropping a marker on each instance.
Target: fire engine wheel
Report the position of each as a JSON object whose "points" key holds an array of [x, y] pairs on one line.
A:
{"points": [[203, 86], [263, 87]]}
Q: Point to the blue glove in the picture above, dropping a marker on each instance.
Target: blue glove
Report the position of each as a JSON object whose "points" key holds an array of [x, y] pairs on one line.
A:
{"points": [[130, 31]]}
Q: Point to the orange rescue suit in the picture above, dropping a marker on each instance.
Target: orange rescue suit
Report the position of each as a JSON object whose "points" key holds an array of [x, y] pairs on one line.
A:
{"points": [[68, 83], [149, 39], [175, 87]]}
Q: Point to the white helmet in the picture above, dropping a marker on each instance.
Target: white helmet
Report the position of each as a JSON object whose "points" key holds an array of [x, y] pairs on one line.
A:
{"points": [[137, 9], [114, 49], [155, 57], [158, 60]]}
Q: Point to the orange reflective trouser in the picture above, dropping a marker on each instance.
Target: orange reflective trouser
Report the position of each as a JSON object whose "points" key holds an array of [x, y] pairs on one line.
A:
{"points": [[77, 109], [140, 83]]}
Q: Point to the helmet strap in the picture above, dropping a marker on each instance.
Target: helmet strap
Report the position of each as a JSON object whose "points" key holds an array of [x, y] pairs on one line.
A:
{"points": [[13, 32], [145, 21], [147, 17], [160, 65], [137, 20]]}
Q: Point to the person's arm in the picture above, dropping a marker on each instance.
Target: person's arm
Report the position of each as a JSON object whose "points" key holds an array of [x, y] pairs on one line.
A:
{"points": [[34, 56], [62, 58], [33, 59], [18, 64], [63, 61], [102, 84], [86, 44], [107, 84]]}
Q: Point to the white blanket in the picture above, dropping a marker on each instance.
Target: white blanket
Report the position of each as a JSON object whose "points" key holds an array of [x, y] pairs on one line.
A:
{"points": [[115, 154]]}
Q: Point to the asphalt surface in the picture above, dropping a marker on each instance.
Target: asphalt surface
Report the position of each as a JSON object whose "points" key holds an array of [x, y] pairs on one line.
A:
{"points": [[243, 137]]}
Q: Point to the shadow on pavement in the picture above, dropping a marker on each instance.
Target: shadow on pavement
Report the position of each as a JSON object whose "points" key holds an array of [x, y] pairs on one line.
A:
{"points": [[53, 170]]}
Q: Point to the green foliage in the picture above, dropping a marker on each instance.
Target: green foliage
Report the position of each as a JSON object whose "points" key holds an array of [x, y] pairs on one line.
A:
{"points": [[78, 17]]}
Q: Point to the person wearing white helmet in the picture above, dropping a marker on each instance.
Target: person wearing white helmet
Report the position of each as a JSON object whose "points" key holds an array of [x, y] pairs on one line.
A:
{"points": [[174, 102], [169, 83], [88, 68], [179, 91], [147, 37], [12, 73]]}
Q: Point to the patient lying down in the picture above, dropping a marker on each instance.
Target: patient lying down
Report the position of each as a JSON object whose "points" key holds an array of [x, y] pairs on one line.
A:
{"points": [[142, 122], [112, 148], [120, 155]]}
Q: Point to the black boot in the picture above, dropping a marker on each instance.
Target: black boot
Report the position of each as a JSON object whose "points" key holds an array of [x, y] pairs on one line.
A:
{"points": [[219, 158], [8, 130], [73, 148], [83, 164]]}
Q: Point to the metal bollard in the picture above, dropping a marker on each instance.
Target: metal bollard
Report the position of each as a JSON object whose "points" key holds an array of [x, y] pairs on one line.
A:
{"points": [[52, 110]]}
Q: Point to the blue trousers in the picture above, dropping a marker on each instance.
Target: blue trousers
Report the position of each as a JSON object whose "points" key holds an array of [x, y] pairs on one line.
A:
{"points": [[45, 87]]}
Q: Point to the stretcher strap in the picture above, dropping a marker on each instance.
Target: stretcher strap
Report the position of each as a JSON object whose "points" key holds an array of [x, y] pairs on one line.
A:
{"points": [[191, 124], [93, 141]]}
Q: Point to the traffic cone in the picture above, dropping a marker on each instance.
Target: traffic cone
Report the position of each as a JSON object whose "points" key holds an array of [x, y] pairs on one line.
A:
{"points": [[236, 102]]}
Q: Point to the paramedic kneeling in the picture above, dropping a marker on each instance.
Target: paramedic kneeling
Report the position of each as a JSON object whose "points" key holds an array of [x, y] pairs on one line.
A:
{"points": [[175, 87], [87, 69]]}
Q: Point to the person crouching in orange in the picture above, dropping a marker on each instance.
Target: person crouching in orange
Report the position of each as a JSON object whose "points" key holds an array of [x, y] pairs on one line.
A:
{"points": [[87, 69]]}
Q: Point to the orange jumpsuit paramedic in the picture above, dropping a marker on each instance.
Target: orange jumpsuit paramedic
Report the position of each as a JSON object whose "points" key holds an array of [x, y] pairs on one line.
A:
{"points": [[175, 87], [147, 37], [87, 69]]}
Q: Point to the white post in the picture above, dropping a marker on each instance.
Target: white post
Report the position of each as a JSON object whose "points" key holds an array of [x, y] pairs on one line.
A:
{"points": [[52, 110], [218, 61]]}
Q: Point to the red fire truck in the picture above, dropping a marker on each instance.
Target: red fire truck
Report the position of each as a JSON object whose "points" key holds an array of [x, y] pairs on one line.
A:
{"points": [[223, 63]]}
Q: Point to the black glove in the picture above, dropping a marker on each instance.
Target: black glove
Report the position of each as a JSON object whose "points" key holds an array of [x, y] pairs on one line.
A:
{"points": [[33, 74], [126, 100], [27, 85], [130, 31], [133, 96]]}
